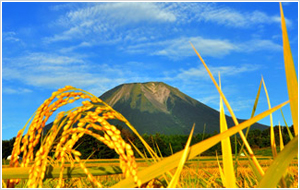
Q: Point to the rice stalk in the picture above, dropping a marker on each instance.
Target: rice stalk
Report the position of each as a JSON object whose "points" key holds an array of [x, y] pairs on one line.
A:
{"points": [[64, 148]]}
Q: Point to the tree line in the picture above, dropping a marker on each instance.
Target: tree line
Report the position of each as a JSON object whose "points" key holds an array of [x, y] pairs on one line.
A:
{"points": [[164, 145]]}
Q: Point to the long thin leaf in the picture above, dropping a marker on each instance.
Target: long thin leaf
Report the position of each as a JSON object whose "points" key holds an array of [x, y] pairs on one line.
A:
{"points": [[229, 178], [279, 165], [182, 161], [221, 171], [171, 162], [290, 73], [272, 135], [280, 138], [231, 113], [287, 127], [254, 169], [252, 114]]}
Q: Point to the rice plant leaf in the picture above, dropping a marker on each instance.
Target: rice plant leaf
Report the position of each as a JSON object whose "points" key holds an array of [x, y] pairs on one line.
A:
{"points": [[221, 172], [171, 162], [159, 150], [252, 114], [229, 178], [171, 148], [287, 127], [231, 113], [184, 157], [254, 169], [281, 139], [290, 73], [279, 165], [272, 135]]}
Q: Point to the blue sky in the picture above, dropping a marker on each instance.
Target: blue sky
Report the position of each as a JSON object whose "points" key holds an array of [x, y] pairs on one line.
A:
{"points": [[97, 46]]}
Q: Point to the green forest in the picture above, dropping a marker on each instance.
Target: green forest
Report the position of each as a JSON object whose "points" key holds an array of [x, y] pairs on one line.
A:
{"points": [[164, 145]]}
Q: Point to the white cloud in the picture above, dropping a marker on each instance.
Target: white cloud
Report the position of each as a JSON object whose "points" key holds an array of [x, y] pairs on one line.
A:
{"points": [[200, 73], [222, 15], [259, 45], [9, 90], [10, 36], [100, 21], [179, 48], [51, 71]]}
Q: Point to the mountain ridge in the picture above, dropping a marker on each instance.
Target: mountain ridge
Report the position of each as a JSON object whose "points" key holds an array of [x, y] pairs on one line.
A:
{"points": [[153, 107]]}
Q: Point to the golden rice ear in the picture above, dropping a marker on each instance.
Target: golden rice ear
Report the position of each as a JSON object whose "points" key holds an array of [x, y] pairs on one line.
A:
{"points": [[290, 73]]}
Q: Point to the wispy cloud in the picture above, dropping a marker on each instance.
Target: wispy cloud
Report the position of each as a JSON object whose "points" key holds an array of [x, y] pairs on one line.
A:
{"points": [[104, 22], [52, 71], [10, 36], [222, 15], [180, 47], [199, 73], [103, 19], [18, 90]]}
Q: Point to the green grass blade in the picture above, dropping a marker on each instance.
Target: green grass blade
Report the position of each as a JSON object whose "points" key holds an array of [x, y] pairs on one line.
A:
{"points": [[290, 73], [171, 149], [171, 162], [182, 161], [279, 165], [287, 127]]}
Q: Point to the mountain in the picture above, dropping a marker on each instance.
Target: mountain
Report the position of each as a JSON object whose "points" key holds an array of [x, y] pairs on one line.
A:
{"points": [[155, 107]]}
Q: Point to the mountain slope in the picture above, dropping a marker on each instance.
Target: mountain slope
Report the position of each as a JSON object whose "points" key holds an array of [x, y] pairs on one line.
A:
{"points": [[157, 107]]}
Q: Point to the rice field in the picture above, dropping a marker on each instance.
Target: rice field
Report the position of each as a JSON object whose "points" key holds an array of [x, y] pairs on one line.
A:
{"points": [[52, 161]]}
